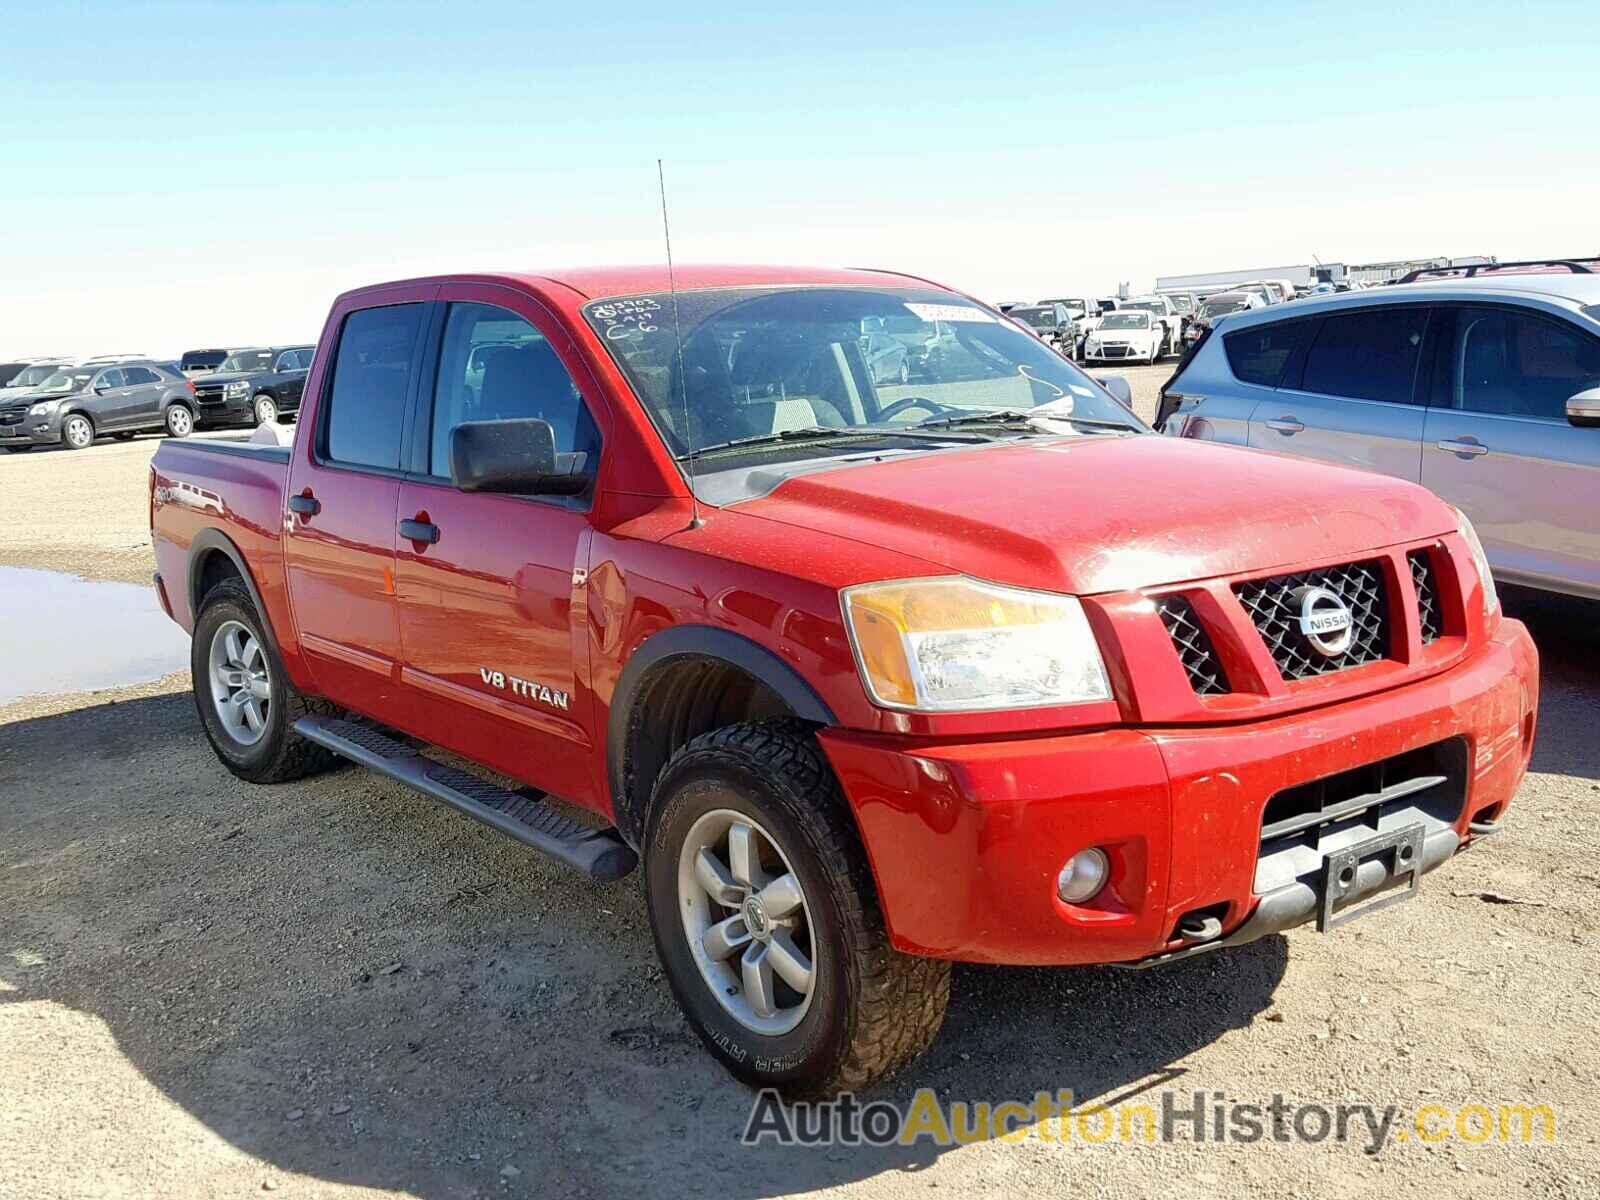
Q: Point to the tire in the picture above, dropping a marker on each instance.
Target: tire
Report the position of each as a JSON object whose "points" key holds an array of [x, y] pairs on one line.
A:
{"points": [[77, 432], [869, 1010], [178, 420], [905, 371], [265, 409], [276, 753]]}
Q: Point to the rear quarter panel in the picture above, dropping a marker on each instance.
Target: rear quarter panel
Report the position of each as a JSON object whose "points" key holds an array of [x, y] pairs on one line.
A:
{"points": [[1217, 406], [239, 494]]}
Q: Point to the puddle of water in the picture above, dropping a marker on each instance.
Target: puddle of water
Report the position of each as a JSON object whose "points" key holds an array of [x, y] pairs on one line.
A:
{"points": [[60, 633]]}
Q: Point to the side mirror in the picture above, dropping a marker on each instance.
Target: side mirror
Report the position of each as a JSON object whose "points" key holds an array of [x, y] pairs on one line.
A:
{"points": [[1118, 386], [516, 456], [101, 390], [1583, 410]]}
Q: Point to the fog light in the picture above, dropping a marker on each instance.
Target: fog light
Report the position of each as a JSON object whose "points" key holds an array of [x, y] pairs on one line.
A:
{"points": [[1084, 875]]}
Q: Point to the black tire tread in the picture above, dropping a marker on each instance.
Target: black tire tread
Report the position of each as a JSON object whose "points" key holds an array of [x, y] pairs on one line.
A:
{"points": [[902, 997], [296, 756]]}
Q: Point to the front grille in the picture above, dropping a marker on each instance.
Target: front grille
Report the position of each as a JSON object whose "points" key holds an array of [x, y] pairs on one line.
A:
{"points": [[1302, 825], [12, 418], [1429, 616], [1273, 608], [1193, 644]]}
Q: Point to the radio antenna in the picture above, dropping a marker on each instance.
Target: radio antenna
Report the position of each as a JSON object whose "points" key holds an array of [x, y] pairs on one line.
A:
{"points": [[695, 519]]}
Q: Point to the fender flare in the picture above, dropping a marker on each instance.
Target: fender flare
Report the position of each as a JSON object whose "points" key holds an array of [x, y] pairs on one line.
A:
{"points": [[698, 642], [212, 539]]}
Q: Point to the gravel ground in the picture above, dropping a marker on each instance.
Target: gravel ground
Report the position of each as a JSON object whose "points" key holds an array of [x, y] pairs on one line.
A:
{"points": [[336, 987]]}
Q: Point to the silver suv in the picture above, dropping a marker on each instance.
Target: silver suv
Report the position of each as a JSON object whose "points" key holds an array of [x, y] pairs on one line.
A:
{"points": [[1485, 390]]}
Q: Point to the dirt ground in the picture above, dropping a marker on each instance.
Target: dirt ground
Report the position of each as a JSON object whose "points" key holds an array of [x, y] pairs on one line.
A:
{"points": [[337, 988]]}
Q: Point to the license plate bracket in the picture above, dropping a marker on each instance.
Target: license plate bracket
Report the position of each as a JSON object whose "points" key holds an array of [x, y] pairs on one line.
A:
{"points": [[1401, 851]]}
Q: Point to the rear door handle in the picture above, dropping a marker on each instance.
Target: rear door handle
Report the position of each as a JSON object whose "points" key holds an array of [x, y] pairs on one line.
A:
{"points": [[306, 506], [419, 531], [1285, 425], [1464, 449]]}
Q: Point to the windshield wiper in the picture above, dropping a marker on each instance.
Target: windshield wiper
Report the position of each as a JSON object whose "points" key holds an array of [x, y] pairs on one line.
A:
{"points": [[1019, 416], [808, 433]]}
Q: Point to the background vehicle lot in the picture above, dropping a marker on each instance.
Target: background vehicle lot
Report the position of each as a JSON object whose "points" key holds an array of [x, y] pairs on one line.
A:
{"points": [[205, 986]]}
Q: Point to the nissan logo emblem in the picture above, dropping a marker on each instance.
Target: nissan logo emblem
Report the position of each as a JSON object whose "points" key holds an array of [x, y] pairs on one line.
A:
{"points": [[1324, 620]]}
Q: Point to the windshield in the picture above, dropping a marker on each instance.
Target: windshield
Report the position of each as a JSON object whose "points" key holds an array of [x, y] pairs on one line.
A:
{"points": [[34, 376], [247, 360], [1149, 306], [1039, 318], [762, 362], [1126, 320], [1217, 308], [1184, 304], [66, 381]]}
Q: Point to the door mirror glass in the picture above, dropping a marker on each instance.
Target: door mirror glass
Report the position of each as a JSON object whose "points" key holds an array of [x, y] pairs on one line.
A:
{"points": [[1584, 409], [516, 456]]}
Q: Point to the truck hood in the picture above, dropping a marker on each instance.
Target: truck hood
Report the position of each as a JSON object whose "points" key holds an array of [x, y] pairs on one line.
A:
{"points": [[1096, 513]]}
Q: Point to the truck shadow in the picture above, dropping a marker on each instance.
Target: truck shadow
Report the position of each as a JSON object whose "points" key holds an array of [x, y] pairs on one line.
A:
{"points": [[354, 985]]}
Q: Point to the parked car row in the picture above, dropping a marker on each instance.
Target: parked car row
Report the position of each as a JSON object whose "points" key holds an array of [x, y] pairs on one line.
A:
{"points": [[47, 402], [1486, 390]]}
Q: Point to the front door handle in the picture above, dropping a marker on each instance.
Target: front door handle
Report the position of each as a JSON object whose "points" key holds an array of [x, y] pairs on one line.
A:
{"points": [[1286, 425], [1467, 449], [419, 531], [306, 506]]}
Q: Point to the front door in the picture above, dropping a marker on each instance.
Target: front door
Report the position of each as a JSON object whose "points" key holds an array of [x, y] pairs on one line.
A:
{"points": [[1499, 447], [1352, 397], [344, 485], [492, 608]]}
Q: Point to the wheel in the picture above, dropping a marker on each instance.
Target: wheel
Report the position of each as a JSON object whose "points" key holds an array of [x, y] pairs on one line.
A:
{"points": [[247, 704], [266, 410], [77, 432], [179, 421], [767, 921], [905, 371]]}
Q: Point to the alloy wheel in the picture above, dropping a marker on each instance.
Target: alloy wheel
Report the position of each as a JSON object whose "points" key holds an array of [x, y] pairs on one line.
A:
{"points": [[241, 683], [747, 922]]}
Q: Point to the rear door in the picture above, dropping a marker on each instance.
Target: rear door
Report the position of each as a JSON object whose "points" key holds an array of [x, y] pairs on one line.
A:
{"points": [[344, 485], [292, 366], [492, 611], [143, 389], [1351, 394], [1498, 444]]}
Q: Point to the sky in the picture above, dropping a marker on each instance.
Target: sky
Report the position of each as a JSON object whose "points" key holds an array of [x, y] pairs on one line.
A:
{"points": [[184, 175]]}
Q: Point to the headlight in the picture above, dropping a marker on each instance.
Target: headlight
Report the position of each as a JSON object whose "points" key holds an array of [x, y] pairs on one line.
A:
{"points": [[1491, 597], [958, 645], [43, 409], [237, 388]]}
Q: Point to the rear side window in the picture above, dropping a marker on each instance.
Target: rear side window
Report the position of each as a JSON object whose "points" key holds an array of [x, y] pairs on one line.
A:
{"points": [[134, 376], [1258, 355], [1371, 354], [371, 376]]}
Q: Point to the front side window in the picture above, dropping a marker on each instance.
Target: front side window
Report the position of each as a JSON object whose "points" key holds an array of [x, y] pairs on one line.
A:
{"points": [[109, 379], [1259, 355], [1517, 364], [757, 363], [495, 366], [1367, 354], [371, 376]]}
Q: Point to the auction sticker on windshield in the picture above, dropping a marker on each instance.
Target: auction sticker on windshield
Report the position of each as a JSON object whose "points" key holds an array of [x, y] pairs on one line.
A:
{"points": [[948, 312]]}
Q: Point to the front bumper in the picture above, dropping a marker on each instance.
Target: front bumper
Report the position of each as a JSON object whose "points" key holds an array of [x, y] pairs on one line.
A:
{"points": [[1117, 353], [966, 839], [215, 408], [32, 431]]}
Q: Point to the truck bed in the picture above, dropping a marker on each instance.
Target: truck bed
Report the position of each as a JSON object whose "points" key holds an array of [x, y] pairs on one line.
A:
{"points": [[206, 489]]}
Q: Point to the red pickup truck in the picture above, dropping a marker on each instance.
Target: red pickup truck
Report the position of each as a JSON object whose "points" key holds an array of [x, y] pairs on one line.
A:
{"points": [[882, 634]]}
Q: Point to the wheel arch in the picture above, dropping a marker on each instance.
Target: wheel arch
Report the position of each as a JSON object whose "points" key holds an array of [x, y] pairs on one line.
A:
{"points": [[679, 683], [213, 557]]}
